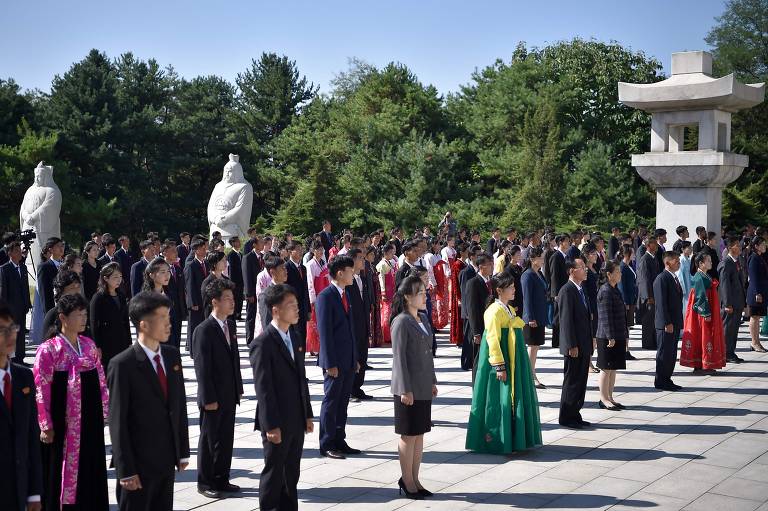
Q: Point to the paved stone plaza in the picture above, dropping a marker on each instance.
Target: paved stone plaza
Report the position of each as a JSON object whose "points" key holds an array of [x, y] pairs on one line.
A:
{"points": [[703, 448]]}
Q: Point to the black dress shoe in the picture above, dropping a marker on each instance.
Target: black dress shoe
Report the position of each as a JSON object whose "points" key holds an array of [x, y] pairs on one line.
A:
{"points": [[572, 425], [345, 449], [334, 455], [539, 385], [354, 399], [230, 488], [629, 356], [367, 366], [734, 360], [585, 424], [209, 492]]}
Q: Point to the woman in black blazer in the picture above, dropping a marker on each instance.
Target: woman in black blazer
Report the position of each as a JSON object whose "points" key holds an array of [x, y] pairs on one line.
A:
{"points": [[757, 291], [91, 270], [611, 335], [110, 326]]}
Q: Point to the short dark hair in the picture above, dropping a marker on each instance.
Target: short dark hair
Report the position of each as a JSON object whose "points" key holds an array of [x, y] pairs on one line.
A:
{"points": [[233, 239], [483, 259], [660, 232], [51, 242], [700, 229], [699, 258], [216, 287], [571, 264], [671, 254], [339, 263], [213, 258], [733, 240], [145, 245], [107, 240], [184, 234], [197, 243], [70, 303], [276, 293], [272, 262], [680, 230], [353, 252], [144, 304], [63, 279]]}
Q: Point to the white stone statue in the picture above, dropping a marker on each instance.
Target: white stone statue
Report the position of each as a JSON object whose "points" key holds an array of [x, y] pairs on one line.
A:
{"points": [[40, 210], [229, 208]]}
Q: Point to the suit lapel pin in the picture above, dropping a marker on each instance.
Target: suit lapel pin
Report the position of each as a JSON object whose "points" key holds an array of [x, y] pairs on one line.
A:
{"points": [[177, 368], [25, 390]]}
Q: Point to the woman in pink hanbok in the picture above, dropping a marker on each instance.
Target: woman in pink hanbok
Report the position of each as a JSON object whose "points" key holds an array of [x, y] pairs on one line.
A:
{"points": [[72, 405], [317, 280]]}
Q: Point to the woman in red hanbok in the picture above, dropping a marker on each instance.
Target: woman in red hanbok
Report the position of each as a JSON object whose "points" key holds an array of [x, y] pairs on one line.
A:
{"points": [[387, 269], [442, 300], [456, 265], [377, 336], [317, 280], [703, 346]]}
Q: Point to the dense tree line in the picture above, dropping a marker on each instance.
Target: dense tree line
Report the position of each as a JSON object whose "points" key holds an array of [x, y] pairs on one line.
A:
{"points": [[536, 140]]}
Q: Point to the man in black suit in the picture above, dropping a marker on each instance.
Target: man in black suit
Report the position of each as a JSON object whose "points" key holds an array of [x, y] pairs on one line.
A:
{"points": [[48, 270], [613, 244], [147, 248], [176, 291], [558, 276], [573, 316], [360, 305], [14, 290], [410, 256], [252, 266], [494, 242], [110, 249], [326, 237], [661, 238], [220, 387], [21, 475], [123, 256], [284, 410], [148, 410], [183, 248], [682, 235], [475, 298], [235, 268], [732, 297], [701, 242], [647, 271], [297, 279], [194, 275], [278, 272], [8, 237], [573, 251], [668, 294]]}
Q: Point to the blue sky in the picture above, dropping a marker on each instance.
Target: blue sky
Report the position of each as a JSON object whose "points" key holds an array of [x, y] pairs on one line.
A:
{"points": [[441, 41]]}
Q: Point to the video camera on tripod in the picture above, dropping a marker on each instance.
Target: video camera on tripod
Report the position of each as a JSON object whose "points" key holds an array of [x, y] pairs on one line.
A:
{"points": [[25, 237]]}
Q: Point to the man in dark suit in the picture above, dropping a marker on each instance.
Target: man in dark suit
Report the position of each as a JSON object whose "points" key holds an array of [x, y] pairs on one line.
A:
{"points": [[220, 387], [465, 275], [558, 276], [614, 245], [410, 256], [276, 268], [147, 248], [252, 266], [494, 242], [123, 256], [733, 298], [360, 307], [194, 275], [284, 410], [668, 320], [235, 268], [110, 249], [682, 235], [21, 475], [183, 248], [573, 316], [661, 238], [148, 410], [176, 291], [647, 271], [474, 298], [14, 290], [297, 279], [338, 357], [48, 270], [573, 251], [326, 237]]}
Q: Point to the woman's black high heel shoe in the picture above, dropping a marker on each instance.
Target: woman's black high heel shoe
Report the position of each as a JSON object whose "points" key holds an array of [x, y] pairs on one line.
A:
{"points": [[604, 407], [425, 493], [402, 489]]}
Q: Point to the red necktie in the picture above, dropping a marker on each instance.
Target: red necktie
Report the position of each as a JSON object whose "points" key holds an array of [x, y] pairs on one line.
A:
{"points": [[205, 273], [7, 391], [161, 376], [488, 286], [344, 301]]}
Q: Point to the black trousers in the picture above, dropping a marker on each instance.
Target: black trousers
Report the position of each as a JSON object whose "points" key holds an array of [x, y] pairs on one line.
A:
{"points": [[280, 475], [666, 356], [333, 410], [468, 348], [21, 345], [576, 371], [647, 313], [194, 318], [239, 299], [250, 320], [214, 448], [731, 323], [556, 335], [156, 494]]}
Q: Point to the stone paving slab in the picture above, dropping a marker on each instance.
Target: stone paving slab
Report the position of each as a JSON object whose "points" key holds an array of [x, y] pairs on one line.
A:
{"points": [[700, 449]]}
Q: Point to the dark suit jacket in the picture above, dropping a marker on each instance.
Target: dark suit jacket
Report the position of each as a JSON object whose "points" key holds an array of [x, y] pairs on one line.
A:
{"points": [[149, 433], [669, 302], [628, 284], [574, 321], [137, 276], [534, 292], [328, 240], [110, 326], [235, 261], [281, 383], [647, 270], [251, 269], [20, 459], [475, 298], [732, 288], [297, 279], [14, 289], [492, 246], [360, 308], [334, 326], [45, 275], [611, 314], [402, 273], [467, 274], [558, 273], [613, 247], [193, 281], [573, 253], [183, 252], [217, 365], [176, 291], [758, 279]]}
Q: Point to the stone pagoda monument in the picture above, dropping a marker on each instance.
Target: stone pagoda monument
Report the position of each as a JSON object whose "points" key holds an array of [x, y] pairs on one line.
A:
{"points": [[689, 184]]}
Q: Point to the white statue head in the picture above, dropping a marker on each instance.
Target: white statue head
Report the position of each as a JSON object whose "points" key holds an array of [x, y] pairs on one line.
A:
{"points": [[233, 171], [43, 175]]}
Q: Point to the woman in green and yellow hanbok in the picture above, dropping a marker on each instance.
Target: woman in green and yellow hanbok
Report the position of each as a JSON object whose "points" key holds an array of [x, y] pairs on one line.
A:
{"points": [[505, 411]]}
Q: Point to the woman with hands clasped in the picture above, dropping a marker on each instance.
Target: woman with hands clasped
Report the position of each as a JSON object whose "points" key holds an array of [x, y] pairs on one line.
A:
{"points": [[413, 380], [611, 334]]}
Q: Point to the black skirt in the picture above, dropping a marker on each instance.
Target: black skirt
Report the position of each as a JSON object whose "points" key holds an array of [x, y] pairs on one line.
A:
{"points": [[413, 420], [611, 358], [533, 336], [92, 491], [758, 310]]}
